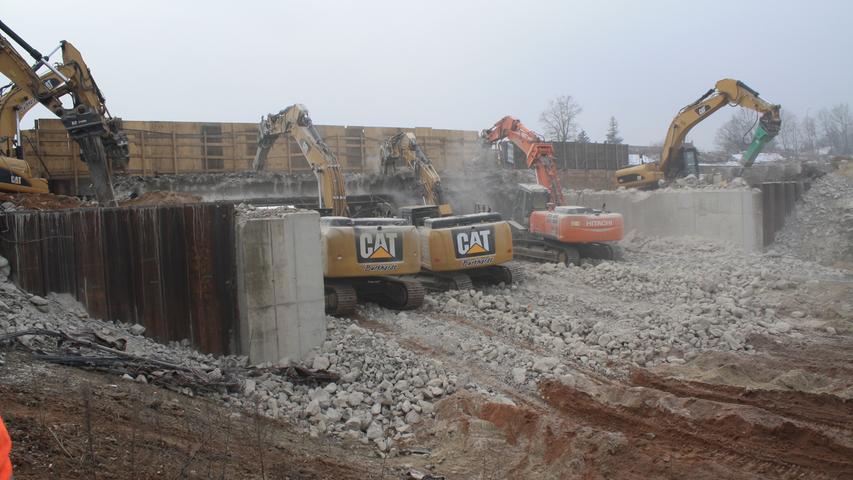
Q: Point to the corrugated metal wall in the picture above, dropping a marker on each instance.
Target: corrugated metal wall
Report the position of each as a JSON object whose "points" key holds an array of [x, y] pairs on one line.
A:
{"points": [[168, 268], [583, 156], [778, 200]]}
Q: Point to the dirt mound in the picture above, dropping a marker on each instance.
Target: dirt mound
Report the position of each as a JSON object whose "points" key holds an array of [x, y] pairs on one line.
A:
{"points": [[140, 431], [161, 198], [38, 201]]}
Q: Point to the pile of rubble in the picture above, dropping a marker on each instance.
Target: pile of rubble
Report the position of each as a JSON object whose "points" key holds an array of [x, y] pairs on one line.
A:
{"points": [[661, 305], [821, 229], [361, 386]]}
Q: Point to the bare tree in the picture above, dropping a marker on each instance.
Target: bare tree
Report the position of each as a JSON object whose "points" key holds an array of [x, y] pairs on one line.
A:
{"points": [[809, 132], [559, 118], [613, 132], [790, 138], [736, 134], [836, 125]]}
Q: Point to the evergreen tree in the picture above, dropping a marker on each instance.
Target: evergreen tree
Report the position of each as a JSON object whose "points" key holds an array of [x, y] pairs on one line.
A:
{"points": [[583, 137], [613, 132]]}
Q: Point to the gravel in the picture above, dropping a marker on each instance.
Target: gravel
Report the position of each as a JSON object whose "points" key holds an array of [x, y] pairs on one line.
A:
{"points": [[821, 229], [383, 391]]}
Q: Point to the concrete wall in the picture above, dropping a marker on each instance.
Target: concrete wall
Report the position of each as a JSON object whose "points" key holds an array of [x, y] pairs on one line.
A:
{"points": [[733, 216], [280, 286]]}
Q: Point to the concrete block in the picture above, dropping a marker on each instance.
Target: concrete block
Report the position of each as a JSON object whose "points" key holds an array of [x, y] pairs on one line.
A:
{"points": [[280, 286]]}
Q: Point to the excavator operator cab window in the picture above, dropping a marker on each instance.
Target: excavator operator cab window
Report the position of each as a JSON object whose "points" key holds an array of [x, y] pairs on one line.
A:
{"points": [[691, 161], [539, 200]]}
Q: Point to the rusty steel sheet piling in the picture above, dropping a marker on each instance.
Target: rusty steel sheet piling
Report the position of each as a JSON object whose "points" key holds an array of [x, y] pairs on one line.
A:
{"points": [[168, 268], [778, 200]]}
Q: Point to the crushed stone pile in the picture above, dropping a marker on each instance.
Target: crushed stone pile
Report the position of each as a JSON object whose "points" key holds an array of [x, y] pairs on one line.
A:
{"points": [[382, 392], [821, 229], [670, 300]]}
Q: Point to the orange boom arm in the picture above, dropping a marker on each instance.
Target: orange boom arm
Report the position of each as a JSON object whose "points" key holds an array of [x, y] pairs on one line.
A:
{"points": [[540, 154]]}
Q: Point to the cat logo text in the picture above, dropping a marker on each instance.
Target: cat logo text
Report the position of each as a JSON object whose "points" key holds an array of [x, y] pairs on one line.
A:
{"points": [[474, 242], [376, 246]]}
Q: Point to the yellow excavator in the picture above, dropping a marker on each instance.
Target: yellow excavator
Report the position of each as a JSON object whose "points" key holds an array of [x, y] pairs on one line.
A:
{"points": [[459, 250], [456, 250], [364, 258], [102, 144], [677, 158], [403, 147]]}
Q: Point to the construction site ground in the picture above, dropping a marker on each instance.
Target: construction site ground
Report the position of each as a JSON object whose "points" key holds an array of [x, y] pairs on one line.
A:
{"points": [[686, 359]]}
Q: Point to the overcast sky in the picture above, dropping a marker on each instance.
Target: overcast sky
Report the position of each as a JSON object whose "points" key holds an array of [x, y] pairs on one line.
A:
{"points": [[448, 64]]}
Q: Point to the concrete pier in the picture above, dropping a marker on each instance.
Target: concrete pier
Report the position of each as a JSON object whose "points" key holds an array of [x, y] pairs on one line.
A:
{"points": [[280, 286]]}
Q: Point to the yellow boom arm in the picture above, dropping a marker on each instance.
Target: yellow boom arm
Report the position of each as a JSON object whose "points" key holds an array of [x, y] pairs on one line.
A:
{"points": [[294, 122], [405, 146]]}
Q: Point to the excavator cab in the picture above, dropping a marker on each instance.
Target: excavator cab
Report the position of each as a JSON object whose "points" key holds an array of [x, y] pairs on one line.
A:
{"points": [[531, 197], [690, 160]]}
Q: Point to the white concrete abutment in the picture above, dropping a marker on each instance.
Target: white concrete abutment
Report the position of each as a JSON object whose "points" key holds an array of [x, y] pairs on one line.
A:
{"points": [[280, 286]]}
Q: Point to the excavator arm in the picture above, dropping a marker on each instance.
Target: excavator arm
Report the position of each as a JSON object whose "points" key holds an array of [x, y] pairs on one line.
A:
{"points": [[539, 153], [88, 121], [295, 122], [725, 92], [405, 146]]}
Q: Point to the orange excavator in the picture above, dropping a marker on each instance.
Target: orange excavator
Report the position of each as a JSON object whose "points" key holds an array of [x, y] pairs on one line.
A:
{"points": [[545, 228]]}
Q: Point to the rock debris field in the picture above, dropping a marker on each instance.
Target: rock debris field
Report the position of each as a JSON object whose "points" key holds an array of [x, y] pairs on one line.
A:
{"points": [[660, 359]]}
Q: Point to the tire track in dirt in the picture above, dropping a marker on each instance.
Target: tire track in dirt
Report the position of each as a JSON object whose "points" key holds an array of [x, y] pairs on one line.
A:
{"points": [[731, 437], [822, 408]]}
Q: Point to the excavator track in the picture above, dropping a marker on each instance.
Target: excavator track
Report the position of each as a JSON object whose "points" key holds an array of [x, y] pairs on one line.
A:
{"points": [[569, 256], [457, 281], [392, 292], [514, 272], [444, 281], [409, 295], [341, 299], [506, 274]]}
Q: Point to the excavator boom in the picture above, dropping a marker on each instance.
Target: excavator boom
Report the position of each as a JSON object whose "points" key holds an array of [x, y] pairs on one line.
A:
{"points": [[404, 146], [295, 122], [539, 153]]}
